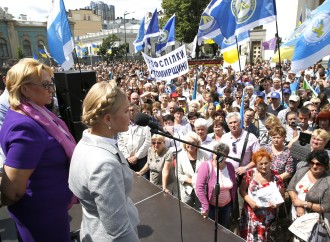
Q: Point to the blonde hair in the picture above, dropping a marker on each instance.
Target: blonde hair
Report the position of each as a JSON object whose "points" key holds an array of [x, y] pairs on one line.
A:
{"points": [[272, 121], [24, 72], [158, 137], [103, 98], [191, 135], [321, 133]]}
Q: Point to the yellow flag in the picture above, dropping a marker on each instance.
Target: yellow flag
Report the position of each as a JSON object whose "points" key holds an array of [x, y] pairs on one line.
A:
{"points": [[209, 41], [286, 53], [230, 56]]}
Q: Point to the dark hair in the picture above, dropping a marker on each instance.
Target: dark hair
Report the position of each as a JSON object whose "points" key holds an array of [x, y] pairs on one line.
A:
{"points": [[220, 113], [168, 117], [177, 110], [193, 114], [304, 111], [321, 156], [289, 113]]}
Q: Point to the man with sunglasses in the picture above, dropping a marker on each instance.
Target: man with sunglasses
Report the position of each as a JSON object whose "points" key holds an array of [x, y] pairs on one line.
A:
{"points": [[236, 138]]}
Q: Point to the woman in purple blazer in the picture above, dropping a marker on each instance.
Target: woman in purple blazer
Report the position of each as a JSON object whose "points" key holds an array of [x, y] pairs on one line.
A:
{"points": [[207, 174]]}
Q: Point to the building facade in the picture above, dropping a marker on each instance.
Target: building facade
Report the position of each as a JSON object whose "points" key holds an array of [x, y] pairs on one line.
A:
{"points": [[85, 21]]}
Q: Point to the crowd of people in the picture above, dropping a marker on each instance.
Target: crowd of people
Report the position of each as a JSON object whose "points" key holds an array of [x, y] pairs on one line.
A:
{"points": [[257, 118]]}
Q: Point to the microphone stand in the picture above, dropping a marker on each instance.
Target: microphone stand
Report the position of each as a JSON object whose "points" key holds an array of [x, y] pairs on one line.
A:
{"points": [[217, 193], [217, 185]]}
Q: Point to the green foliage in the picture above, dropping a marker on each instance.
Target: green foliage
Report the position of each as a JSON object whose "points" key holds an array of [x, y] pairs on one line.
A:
{"points": [[20, 53], [107, 43], [188, 14]]}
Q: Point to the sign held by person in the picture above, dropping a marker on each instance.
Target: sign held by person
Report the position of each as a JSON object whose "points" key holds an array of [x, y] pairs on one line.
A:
{"points": [[169, 66]]}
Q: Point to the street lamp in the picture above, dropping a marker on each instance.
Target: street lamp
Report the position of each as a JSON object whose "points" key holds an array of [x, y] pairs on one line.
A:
{"points": [[126, 13]]}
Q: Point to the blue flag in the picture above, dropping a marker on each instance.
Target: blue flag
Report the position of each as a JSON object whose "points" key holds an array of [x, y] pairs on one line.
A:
{"points": [[138, 43], [241, 111], [230, 43], [314, 43], [60, 41], [167, 36], [35, 56], [238, 16], [208, 27], [194, 95], [153, 27]]}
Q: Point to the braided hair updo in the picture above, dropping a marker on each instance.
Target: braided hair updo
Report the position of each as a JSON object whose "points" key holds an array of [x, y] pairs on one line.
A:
{"points": [[103, 98]]}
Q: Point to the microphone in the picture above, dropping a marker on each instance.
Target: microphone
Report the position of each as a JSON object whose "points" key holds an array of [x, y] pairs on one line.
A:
{"points": [[143, 119]]}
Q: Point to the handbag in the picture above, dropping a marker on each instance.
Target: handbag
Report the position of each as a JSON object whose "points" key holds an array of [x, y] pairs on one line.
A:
{"points": [[320, 231], [278, 229]]}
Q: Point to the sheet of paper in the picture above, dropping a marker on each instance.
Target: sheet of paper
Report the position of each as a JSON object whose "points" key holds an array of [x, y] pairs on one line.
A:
{"points": [[269, 195]]}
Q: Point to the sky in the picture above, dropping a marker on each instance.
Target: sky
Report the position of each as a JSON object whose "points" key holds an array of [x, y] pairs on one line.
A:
{"points": [[39, 9]]}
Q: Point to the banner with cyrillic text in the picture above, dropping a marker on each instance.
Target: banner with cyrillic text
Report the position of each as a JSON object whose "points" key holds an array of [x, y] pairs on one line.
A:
{"points": [[169, 66]]}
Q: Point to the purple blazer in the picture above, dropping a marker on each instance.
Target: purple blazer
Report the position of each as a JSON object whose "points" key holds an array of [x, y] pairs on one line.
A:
{"points": [[202, 175]]}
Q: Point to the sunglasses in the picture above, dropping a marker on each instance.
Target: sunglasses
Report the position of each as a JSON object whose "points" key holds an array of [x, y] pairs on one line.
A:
{"points": [[158, 142], [317, 164], [46, 86], [234, 147]]}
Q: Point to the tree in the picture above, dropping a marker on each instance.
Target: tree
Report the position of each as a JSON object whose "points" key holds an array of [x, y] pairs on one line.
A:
{"points": [[108, 43], [20, 53], [188, 14]]}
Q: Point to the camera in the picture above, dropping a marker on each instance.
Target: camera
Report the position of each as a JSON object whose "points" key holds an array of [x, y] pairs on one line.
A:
{"points": [[293, 124]]}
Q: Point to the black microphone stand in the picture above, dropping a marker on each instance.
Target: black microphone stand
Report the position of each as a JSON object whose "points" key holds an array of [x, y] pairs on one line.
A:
{"points": [[217, 185]]}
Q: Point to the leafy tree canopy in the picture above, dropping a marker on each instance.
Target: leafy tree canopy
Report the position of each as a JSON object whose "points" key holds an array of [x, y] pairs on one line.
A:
{"points": [[188, 14], [108, 43]]}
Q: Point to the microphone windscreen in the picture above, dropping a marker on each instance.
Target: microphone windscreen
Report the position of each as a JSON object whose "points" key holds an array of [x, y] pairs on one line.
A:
{"points": [[141, 119]]}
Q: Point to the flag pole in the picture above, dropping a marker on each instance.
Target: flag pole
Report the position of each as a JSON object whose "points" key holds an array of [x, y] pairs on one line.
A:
{"points": [[279, 51], [239, 61]]}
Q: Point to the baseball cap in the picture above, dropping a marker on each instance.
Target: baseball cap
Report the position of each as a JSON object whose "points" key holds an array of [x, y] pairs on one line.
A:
{"points": [[286, 90], [149, 78], [294, 98], [275, 95], [173, 95], [260, 94], [182, 99], [169, 82]]}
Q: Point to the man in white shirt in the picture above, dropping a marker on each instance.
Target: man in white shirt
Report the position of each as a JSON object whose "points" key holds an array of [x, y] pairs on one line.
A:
{"points": [[135, 142]]}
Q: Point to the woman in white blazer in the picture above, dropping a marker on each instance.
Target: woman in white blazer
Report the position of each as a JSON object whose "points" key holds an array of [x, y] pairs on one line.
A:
{"points": [[99, 174], [188, 161]]}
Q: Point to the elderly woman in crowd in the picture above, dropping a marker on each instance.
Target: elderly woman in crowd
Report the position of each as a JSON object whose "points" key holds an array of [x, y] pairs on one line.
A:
{"points": [[309, 188], [218, 130], [207, 177], [189, 160], [255, 220], [282, 162], [159, 162], [38, 147], [99, 174]]}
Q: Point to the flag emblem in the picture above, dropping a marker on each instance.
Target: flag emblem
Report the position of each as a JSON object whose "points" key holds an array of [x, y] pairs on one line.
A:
{"points": [[207, 23], [163, 36], [318, 29], [243, 10]]}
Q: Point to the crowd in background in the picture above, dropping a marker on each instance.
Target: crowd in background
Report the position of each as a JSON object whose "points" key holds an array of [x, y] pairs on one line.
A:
{"points": [[258, 115]]}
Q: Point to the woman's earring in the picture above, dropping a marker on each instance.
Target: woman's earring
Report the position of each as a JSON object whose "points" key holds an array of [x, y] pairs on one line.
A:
{"points": [[109, 126]]}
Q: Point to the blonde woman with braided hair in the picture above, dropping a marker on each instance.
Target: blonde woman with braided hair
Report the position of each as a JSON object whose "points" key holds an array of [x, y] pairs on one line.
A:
{"points": [[99, 174]]}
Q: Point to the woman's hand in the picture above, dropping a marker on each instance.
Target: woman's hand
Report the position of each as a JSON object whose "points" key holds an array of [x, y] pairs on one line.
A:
{"points": [[188, 180], [300, 211], [204, 214], [254, 205], [139, 173]]}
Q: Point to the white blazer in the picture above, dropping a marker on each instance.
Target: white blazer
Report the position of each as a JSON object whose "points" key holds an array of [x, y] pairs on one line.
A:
{"points": [[185, 170]]}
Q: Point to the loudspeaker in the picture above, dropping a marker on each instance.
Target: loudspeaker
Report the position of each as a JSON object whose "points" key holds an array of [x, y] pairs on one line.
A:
{"points": [[71, 89]]}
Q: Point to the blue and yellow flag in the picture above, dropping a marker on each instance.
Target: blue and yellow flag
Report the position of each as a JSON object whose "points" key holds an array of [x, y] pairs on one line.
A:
{"points": [[42, 53]]}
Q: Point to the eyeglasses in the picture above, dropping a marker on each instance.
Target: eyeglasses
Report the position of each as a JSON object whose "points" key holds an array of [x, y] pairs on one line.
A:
{"points": [[46, 86], [158, 142], [317, 164], [234, 147], [316, 103], [238, 97]]}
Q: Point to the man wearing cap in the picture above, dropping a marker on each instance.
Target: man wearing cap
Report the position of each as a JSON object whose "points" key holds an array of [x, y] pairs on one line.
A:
{"points": [[286, 96], [293, 106], [260, 95], [174, 97], [275, 106]]}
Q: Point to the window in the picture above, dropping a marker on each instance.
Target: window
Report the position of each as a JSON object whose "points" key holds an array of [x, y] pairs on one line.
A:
{"points": [[27, 48], [40, 44], [3, 48]]}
